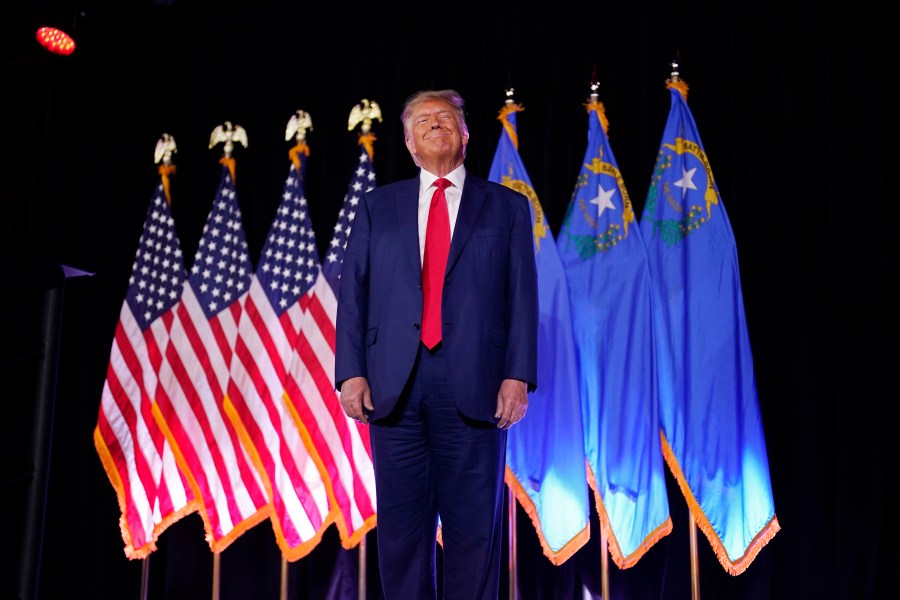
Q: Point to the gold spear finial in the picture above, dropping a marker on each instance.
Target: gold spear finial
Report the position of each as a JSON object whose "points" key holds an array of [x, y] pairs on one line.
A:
{"points": [[675, 82]]}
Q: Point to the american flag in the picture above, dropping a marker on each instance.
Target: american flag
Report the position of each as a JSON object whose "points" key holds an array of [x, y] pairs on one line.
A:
{"points": [[279, 292], [138, 460], [342, 443], [363, 180], [194, 377]]}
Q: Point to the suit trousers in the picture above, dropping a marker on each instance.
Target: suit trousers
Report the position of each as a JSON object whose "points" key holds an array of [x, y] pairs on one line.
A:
{"points": [[433, 463]]}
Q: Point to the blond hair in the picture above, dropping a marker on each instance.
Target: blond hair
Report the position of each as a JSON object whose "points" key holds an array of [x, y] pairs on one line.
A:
{"points": [[450, 97]]}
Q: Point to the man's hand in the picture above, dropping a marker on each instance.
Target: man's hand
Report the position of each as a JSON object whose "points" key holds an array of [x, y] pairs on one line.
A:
{"points": [[356, 399], [512, 402]]}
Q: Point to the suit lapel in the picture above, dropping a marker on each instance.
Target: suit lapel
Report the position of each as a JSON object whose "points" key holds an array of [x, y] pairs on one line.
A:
{"points": [[470, 204], [407, 202]]}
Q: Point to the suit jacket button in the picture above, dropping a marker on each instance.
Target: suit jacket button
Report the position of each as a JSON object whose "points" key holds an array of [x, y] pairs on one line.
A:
{"points": [[416, 326]]}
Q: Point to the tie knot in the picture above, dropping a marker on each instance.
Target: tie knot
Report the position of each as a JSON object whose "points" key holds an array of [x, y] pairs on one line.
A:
{"points": [[441, 183]]}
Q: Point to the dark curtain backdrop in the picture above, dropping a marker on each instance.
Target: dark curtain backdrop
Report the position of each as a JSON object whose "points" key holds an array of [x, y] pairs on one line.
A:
{"points": [[789, 98]]}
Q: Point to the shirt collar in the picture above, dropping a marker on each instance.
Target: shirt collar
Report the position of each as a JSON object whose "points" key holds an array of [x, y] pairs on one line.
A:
{"points": [[457, 177]]}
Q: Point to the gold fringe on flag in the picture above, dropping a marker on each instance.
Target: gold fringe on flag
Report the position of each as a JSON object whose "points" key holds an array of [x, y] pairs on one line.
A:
{"points": [[366, 140], [502, 117], [762, 538], [294, 153], [164, 172], [680, 85], [230, 163], [598, 107]]}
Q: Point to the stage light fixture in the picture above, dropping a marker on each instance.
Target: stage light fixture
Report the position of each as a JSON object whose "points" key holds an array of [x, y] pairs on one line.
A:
{"points": [[56, 24], [55, 40]]}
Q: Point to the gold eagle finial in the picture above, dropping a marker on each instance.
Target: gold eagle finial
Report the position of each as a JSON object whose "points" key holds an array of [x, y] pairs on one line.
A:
{"points": [[364, 112], [299, 123], [229, 134], [165, 148]]}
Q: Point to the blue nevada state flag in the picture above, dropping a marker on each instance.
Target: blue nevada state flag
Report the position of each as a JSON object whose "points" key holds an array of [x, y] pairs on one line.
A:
{"points": [[545, 451], [609, 287], [713, 434]]}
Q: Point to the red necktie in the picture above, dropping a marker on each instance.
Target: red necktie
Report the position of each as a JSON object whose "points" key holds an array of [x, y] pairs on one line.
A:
{"points": [[434, 263]]}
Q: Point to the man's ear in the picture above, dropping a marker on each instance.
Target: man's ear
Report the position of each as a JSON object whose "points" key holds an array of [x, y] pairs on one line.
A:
{"points": [[411, 146]]}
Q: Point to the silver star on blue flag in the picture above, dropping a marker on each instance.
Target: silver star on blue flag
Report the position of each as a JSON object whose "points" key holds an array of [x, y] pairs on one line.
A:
{"points": [[221, 270], [363, 180], [158, 270], [289, 262]]}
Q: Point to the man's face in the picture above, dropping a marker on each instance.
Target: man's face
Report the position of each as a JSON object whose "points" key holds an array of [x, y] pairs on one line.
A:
{"points": [[434, 134]]}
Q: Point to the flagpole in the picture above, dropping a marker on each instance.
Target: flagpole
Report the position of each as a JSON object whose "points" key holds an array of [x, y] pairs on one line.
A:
{"points": [[695, 567], [215, 582], [513, 592], [284, 578], [145, 577], [362, 568], [604, 564]]}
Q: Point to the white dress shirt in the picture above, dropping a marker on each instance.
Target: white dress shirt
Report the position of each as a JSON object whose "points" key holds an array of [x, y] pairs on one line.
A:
{"points": [[453, 193]]}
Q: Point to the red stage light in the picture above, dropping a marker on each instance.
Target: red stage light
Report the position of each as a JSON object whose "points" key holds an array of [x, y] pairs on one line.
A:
{"points": [[56, 40]]}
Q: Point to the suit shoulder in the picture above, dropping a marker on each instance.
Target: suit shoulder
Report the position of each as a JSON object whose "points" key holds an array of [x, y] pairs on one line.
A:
{"points": [[388, 193], [393, 187], [514, 198], [499, 189]]}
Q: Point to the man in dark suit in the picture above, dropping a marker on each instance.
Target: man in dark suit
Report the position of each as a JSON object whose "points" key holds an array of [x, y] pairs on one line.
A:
{"points": [[437, 350]]}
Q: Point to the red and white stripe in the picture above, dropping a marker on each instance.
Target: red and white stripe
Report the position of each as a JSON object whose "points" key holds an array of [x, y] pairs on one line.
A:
{"points": [[151, 491], [193, 380], [341, 443], [258, 371]]}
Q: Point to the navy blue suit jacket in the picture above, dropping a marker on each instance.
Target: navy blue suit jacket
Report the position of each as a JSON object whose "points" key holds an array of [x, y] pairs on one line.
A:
{"points": [[489, 303]]}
